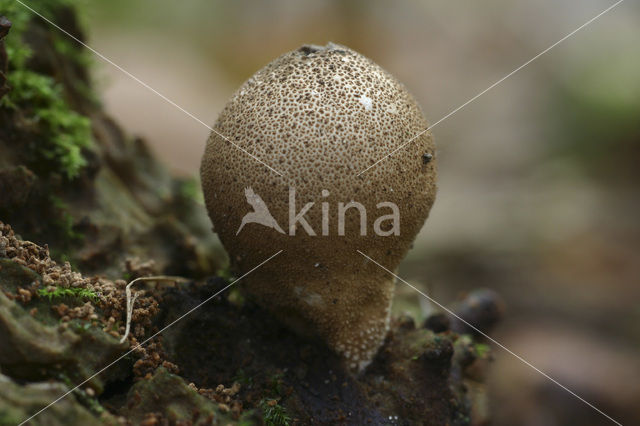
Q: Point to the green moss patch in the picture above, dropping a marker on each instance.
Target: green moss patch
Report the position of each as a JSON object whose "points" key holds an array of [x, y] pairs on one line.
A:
{"points": [[73, 293], [39, 98]]}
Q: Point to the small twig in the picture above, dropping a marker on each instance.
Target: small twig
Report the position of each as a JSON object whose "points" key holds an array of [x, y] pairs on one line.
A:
{"points": [[131, 300]]}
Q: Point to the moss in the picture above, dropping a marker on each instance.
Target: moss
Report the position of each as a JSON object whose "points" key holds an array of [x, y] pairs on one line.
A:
{"points": [[79, 326], [236, 297], [74, 352], [65, 133], [89, 402], [274, 414], [169, 397], [226, 273], [482, 349], [40, 98], [74, 293]]}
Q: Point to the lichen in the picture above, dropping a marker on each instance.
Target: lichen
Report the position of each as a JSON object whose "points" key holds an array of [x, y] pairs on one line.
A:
{"points": [[39, 98]]}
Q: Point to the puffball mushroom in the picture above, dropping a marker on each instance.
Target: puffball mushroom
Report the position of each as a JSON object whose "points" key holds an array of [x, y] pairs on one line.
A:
{"points": [[320, 115]]}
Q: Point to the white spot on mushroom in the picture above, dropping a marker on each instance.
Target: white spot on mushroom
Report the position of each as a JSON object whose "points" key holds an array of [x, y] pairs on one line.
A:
{"points": [[311, 299], [367, 102]]}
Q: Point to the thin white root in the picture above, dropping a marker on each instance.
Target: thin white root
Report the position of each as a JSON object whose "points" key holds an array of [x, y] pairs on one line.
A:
{"points": [[131, 300]]}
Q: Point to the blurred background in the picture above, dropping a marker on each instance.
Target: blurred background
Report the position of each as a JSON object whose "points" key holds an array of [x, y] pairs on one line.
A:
{"points": [[539, 190]]}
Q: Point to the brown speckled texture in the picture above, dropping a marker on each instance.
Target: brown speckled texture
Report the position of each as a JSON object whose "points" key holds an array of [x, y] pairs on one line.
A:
{"points": [[320, 115]]}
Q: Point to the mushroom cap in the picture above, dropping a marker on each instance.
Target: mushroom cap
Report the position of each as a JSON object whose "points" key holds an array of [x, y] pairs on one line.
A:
{"points": [[320, 116]]}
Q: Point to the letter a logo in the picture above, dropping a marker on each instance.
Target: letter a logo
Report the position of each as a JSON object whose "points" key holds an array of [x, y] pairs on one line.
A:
{"points": [[260, 213]]}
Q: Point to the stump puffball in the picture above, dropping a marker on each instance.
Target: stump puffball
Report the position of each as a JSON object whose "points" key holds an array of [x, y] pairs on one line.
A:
{"points": [[319, 116]]}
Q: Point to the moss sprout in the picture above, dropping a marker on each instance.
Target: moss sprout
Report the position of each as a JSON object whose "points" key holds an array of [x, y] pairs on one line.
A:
{"points": [[274, 414], [75, 293]]}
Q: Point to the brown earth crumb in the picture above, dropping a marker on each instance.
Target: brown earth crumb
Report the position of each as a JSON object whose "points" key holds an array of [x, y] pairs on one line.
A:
{"points": [[236, 409], [152, 356], [86, 312], [60, 309], [36, 258], [152, 419], [234, 389], [224, 397], [24, 295]]}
